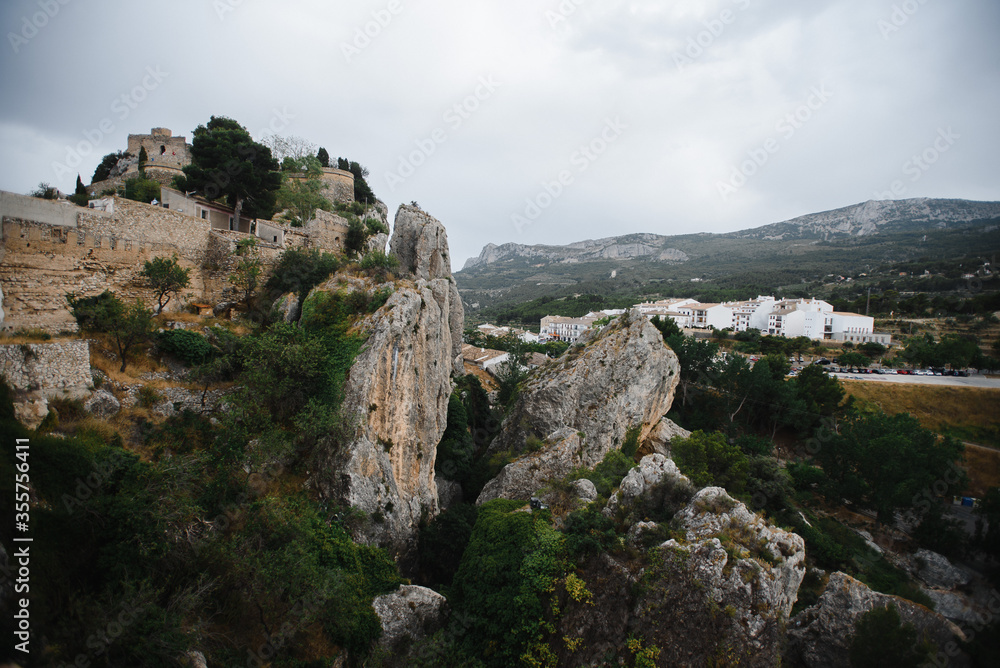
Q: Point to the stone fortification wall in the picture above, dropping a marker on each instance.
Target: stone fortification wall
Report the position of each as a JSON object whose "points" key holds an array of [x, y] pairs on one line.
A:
{"points": [[149, 226], [327, 230], [43, 263], [51, 212], [49, 369], [162, 148], [60, 249], [338, 185]]}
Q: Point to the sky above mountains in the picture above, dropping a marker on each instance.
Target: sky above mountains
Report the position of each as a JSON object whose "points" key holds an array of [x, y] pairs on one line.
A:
{"points": [[534, 121]]}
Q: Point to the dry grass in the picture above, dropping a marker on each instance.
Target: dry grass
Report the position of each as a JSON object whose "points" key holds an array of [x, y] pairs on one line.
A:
{"points": [[968, 412], [486, 380], [983, 466], [938, 408]]}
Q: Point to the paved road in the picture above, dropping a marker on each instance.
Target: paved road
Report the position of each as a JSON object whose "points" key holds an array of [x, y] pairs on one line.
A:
{"points": [[956, 381]]}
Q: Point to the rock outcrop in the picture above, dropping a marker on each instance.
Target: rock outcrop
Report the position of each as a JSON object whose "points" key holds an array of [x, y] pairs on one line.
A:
{"points": [[102, 404], [780, 554], [821, 636], [718, 594], [652, 470], [397, 394], [560, 453], [661, 436], [408, 615], [619, 378], [936, 571], [420, 243], [287, 307]]}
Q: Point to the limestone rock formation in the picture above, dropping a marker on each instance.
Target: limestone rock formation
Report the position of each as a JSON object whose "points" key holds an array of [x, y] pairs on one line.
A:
{"points": [[623, 377], [560, 453], [103, 404], [420, 243], [397, 393], [937, 572], [287, 307], [408, 615], [712, 512], [652, 470], [722, 591], [662, 435], [820, 636]]}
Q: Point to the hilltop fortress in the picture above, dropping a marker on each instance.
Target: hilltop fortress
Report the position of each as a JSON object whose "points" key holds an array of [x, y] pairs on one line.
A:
{"points": [[53, 247]]}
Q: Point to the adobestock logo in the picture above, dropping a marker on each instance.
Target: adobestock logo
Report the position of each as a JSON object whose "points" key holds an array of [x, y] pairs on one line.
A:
{"points": [[454, 117], [581, 159], [786, 127]]}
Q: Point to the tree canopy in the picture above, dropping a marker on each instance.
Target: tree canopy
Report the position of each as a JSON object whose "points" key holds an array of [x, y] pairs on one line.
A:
{"points": [[226, 161], [883, 462], [164, 276]]}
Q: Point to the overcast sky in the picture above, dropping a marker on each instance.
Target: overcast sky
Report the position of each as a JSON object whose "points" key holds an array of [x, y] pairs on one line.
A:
{"points": [[534, 121]]}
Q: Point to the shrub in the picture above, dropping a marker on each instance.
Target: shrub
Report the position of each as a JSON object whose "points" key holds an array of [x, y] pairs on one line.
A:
{"points": [[142, 190], [300, 270], [189, 347], [708, 459], [881, 640], [379, 265]]}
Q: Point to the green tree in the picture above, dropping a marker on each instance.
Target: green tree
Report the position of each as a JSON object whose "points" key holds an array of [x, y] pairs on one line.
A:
{"points": [[226, 161], [303, 195], [456, 449], [141, 189], [957, 351], [323, 157], [249, 267], [45, 191], [852, 359], [128, 324], [882, 641], [143, 159], [709, 459], [362, 191], [299, 270], [80, 197], [504, 580], [872, 349], [883, 462], [511, 372], [354, 240], [818, 395], [108, 162], [164, 276]]}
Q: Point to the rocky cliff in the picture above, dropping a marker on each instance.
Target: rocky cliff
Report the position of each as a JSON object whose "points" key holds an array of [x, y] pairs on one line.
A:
{"points": [[397, 392], [821, 636], [580, 407], [717, 593]]}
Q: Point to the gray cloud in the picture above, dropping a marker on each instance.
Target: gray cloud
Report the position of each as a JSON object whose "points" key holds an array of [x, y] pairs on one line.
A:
{"points": [[897, 72]]}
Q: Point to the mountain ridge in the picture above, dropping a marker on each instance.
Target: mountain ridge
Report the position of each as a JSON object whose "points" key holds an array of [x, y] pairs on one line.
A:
{"points": [[858, 220]]}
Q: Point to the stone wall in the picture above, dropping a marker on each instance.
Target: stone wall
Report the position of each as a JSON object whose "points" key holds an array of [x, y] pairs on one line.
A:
{"points": [[51, 212], [43, 263], [49, 369], [93, 251], [161, 148], [327, 230]]}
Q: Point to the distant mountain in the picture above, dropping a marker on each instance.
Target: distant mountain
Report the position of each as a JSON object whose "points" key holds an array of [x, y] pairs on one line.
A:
{"points": [[629, 247], [872, 217], [879, 217], [805, 251]]}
